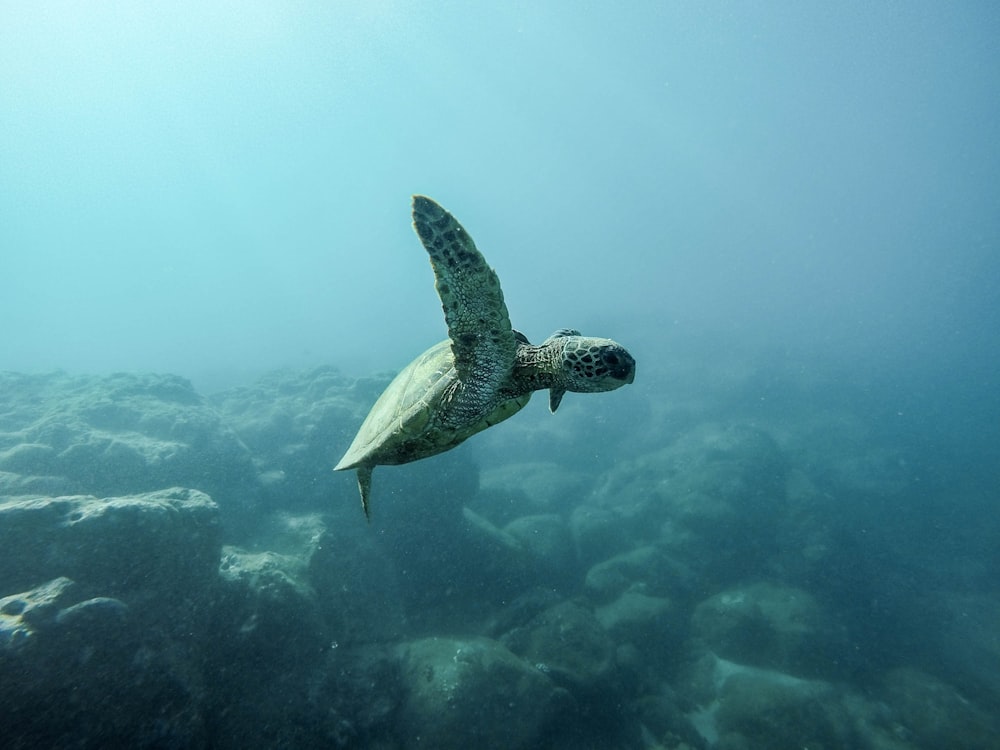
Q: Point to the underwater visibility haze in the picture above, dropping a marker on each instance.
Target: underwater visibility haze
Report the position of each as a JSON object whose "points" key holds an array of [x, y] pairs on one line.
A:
{"points": [[784, 533]]}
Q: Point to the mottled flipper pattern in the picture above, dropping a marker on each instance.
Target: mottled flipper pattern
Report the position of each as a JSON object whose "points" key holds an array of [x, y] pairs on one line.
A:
{"points": [[482, 341]]}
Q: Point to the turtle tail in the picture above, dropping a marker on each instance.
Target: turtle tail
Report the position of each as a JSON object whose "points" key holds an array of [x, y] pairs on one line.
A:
{"points": [[365, 487]]}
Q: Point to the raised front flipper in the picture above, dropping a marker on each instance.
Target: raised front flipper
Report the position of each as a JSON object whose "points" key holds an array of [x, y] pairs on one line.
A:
{"points": [[482, 341]]}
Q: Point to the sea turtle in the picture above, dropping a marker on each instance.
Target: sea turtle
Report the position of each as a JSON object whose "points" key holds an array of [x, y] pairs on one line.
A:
{"points": [[483, 373]]}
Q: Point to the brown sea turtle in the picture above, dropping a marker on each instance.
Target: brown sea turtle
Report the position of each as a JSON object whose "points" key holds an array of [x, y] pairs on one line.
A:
{"points": [[483, 373]]}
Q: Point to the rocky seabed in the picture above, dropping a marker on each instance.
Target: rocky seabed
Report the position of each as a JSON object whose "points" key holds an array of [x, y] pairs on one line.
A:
{"points": [[179, 571]]}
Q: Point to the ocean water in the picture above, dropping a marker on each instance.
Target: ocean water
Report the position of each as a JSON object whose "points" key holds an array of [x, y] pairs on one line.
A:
{"points": [[783, 534]]}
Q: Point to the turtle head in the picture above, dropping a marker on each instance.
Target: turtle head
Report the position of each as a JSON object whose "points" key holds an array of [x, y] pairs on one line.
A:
{"points": [[588, 365]]}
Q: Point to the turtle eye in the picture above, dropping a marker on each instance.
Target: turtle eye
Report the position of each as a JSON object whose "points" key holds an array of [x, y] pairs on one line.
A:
{"points": [[611, 359]]}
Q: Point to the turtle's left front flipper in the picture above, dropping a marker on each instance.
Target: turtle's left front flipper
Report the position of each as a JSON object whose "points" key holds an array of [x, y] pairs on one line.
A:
{"points": [[482, 340]]}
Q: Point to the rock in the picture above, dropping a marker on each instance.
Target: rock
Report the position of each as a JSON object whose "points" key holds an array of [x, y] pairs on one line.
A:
{"points": [[548, 544], [848, 458], [117, 434], [422, 517], [269, 650], [647, 569], [114, 656], [357, 588], [760, 710], [522, 609], [769, 625], [93, 613], [968, 644], [428, 495], [78, 672], [584, 426], [503, 567], [166, 543], [22, 614], [464, 693], [298, 424], [21, 485], [600, 533], [509, 491], [269, 609], [747, 707], [432, 551], [740, 706], [358, 698], [29, 458], [934, 714], [567, 642], [662, 715], [807, 533], [714, 483], [645, 621]]}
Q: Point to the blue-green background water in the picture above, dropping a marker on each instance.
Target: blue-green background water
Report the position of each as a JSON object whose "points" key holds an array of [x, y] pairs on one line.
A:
{"points": [[786, 211], [211, 188]]}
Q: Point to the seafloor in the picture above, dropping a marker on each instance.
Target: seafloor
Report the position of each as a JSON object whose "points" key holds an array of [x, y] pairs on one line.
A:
{"points": [[747, 564]]}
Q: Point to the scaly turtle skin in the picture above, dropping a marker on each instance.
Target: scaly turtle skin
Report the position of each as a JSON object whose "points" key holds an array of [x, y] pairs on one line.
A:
{"points": [[483, 373]]}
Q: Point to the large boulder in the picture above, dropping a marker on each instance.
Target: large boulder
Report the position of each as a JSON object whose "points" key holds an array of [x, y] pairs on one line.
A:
{"points": [[717, 482], [566, 642], [356, 587], [647, 569], [289, 660], [601, 532], [773, 626], [107, 602], [357, 700], [510, 490], [741, 707], [736, 706], [85, 671], [429, 536], [159, 544], [463, 693], [268, 646], [936, 714], [549, 546], [647, 622], [967, 647], [268, 611], [759, 709], [117, 434]]}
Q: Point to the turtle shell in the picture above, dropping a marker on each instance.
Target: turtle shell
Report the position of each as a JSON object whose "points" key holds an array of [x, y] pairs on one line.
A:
{"points": [[409, 420]]}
